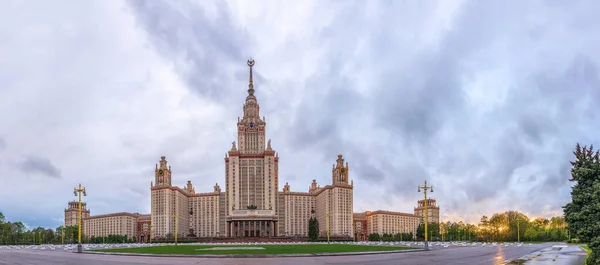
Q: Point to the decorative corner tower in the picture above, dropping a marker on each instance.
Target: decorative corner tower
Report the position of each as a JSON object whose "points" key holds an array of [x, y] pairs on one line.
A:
{"points": [[286, 188], [339, 173], [164, 198], [313, 187], [189, 187], [162, 174], [72, 210], [433, 210]]}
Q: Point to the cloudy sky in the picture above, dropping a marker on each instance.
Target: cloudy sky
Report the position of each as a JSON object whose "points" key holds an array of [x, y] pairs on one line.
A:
{"points": [[483, 99]]}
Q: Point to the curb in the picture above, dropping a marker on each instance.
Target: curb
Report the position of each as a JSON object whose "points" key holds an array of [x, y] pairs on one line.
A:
{"points": [[251, 255]]}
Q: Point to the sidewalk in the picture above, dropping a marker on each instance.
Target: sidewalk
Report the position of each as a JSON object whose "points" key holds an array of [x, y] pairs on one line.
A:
{"points": [[560, 254]]}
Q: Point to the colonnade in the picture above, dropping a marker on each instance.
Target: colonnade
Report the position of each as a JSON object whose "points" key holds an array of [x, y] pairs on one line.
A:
{"points": [[251, 228]]}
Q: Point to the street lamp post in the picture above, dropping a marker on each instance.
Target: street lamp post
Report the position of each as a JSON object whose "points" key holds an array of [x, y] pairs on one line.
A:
{"points": [[468, 233], [175, 221], [401, 231], [518, 231], [79, 191], [425, 219], [327, 227]]}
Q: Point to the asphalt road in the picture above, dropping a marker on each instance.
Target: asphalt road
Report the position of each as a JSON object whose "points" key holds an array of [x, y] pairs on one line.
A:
{"points": [[472, 255]]}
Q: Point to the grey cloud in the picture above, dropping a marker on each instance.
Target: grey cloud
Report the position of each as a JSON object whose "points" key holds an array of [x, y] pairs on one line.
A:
{"points": [[368, 171], [390, 92], [203, 50], [2, 144], [139, 191], [41, 165], [417, 105], [420, 104]]}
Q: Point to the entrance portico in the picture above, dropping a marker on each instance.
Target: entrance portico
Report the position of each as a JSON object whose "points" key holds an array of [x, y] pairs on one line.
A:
{"points": [[252, 228]]}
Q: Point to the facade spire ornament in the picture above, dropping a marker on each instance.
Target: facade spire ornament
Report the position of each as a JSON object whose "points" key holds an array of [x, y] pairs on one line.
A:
{"points": [[250, 85], [269, 145], [233, 148]]}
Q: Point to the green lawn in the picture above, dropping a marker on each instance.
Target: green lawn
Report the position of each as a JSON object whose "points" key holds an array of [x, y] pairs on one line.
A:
{"points": [[587, 249], [268, 249]]}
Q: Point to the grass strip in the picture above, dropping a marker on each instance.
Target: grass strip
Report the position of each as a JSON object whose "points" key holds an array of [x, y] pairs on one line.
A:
{"points": [[268, 249]]}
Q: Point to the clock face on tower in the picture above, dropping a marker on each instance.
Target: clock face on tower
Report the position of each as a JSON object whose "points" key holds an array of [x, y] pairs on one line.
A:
{"points": [[160, 171], [343, 171], [251, 125]]}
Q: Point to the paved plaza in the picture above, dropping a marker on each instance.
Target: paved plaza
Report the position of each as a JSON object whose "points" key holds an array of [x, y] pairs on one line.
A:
{"points": [[441, 253]]}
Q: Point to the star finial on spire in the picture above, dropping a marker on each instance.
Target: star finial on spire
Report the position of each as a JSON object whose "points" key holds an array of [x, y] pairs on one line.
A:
{"points": [[250, 85]]}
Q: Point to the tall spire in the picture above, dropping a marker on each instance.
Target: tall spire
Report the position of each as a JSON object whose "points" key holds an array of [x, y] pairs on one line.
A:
{"points": [[251, 108], [251, 85]]}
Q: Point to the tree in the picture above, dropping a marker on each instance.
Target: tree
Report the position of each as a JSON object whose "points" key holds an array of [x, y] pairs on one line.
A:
{"points": [[583, 212], [313, 229], [531, 234], [374, 237], [71, 234], [433, 230]]}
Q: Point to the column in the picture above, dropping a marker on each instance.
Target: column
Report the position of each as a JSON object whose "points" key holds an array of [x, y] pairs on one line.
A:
{"points": [[254, 228], [271, 230]]}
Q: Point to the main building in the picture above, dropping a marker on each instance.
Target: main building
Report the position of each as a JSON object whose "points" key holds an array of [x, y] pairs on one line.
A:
{"points": [[251, 205]]}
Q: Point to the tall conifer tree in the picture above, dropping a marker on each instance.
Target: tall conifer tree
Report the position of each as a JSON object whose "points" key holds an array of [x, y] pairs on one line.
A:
{"points": [[583, 212]]}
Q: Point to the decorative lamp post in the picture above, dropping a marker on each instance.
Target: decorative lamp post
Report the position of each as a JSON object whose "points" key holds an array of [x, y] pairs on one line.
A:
{"points": [[327, 227], [400, 234], [175, 221], [79, 191], [425, 219], [518, 230]]}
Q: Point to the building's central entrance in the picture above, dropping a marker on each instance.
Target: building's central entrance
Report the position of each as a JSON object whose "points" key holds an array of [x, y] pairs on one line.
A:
{"points": [[246, 228], [252, 233]]}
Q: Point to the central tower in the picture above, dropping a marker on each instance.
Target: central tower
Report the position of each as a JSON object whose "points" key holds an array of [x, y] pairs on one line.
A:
{"points": [[251, 129], [251, 173]]}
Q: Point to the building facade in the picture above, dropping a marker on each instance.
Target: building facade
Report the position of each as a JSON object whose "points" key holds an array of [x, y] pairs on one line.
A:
{"points": [[433, 211], [359, 223], [387, 222], [251, 204], [111, 224], [71, 213]]}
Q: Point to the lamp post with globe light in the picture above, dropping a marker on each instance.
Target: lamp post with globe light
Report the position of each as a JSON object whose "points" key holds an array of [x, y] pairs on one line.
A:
{"points": [[78, 191], [425, 219]]}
